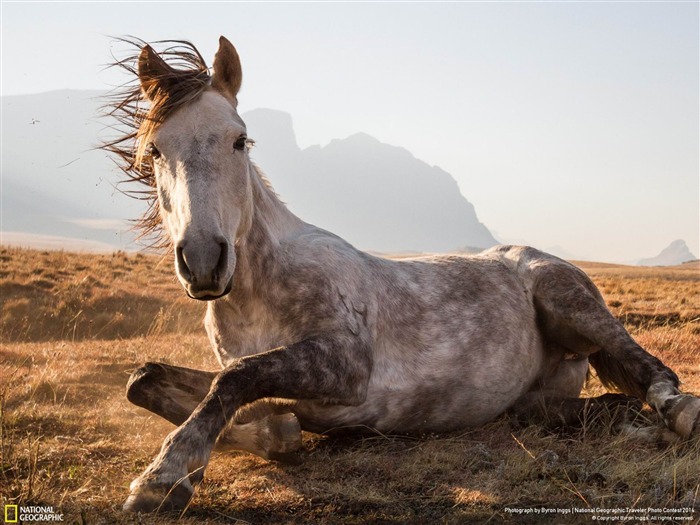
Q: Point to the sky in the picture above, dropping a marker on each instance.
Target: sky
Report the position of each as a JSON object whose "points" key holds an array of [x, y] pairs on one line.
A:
{"points": [[566, 124]]}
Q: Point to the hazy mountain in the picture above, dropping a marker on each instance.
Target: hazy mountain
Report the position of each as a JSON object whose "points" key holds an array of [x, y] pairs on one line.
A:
{"points": [[54, 182], [377, 196], [675, 253]]}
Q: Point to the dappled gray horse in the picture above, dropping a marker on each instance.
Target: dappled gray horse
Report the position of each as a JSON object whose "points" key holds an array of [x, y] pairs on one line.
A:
{"points": [[312, 333]]}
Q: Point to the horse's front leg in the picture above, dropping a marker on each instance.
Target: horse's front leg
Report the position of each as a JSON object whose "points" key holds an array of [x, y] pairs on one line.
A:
{"points": [[267, 428], [333, 370]]}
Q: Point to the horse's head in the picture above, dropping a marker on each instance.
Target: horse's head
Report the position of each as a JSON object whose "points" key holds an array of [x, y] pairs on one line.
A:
{"points": [[199, 157]]}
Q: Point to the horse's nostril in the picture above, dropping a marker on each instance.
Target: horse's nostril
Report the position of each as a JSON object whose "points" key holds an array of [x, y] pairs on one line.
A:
{"points": [[182, 267], [222, 264]]}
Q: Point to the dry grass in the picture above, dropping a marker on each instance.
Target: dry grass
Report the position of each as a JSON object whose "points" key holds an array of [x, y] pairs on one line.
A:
{"points": [[59, 295], [70, 438]]}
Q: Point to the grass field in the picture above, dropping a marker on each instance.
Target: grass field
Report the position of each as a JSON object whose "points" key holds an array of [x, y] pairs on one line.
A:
{"points": [[74, 326]]}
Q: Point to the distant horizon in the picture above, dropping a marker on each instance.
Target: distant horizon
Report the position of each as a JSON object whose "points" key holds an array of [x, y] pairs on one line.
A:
{"points": [[566, 125], [59, 242], [31, 241]]}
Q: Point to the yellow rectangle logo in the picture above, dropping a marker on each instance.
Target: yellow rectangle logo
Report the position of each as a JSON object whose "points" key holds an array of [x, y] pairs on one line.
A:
{"points": [[11, 513]]}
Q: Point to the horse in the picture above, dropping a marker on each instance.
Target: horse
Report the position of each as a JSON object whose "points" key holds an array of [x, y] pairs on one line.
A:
{"points": [[314, 334]]}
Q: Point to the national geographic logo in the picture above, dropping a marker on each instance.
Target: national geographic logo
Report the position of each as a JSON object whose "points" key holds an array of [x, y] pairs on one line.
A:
{"points": [[32, 514], [11, 513]]}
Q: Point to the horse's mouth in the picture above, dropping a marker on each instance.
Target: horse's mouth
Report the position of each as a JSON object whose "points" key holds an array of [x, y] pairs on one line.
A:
{"points": [[210, 297]]}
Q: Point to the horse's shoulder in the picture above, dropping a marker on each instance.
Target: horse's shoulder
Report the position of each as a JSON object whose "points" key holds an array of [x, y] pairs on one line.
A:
{"points": [[319, 254], [319, 270]]}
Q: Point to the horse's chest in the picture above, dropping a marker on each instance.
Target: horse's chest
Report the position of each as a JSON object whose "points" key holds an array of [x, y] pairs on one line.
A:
{"points": [[235, 334]]}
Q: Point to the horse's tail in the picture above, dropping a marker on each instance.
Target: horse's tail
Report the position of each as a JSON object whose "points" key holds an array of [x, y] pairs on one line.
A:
{"points": [[616, 375]]}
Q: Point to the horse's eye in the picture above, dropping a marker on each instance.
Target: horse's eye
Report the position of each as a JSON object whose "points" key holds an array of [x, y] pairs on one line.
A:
{"points": [[240, 143], [155, 152]]}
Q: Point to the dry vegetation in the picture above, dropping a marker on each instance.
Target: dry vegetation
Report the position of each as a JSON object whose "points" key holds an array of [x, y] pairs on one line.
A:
{"points": [[73, 326], [69, 296]]}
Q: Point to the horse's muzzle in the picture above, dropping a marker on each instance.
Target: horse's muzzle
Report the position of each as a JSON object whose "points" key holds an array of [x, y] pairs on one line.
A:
{"points": [[209, 297], [205, 269]]}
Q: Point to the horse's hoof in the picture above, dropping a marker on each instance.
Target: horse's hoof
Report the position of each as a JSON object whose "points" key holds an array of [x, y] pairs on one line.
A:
{"points": [[287, 458], [158, 497], [285, 434], [683, 416]]}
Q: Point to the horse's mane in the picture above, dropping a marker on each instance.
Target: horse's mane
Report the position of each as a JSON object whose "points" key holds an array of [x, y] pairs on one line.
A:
{"points": [[135, 119]]}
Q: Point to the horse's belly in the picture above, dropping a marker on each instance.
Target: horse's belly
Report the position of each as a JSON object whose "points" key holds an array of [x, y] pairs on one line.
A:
{"points": [[437, 395]]}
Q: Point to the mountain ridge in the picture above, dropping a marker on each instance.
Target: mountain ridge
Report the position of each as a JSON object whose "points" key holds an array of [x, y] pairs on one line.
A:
{"points": [[421, 205], [377, 196], [675, 253]]}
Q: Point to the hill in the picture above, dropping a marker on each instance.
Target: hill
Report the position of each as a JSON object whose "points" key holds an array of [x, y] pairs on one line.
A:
{"points": [[54, 181], [675, 253], [379, 197]]}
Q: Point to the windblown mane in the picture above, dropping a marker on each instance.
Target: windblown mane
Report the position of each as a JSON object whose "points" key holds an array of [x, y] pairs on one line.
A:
{"points": [[135, 119]]}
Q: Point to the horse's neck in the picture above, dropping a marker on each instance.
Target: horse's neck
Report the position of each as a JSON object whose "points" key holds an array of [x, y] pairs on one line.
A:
{"points": [[270, 223]]}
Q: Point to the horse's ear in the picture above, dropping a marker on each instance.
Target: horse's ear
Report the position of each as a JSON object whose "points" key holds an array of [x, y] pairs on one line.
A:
{"points": [[228, 75], [154, 73]]}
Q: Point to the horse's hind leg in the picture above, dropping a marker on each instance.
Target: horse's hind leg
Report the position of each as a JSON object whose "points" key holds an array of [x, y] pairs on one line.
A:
{"points": [[566, 413], [264, 428], [554, 400], [572, 313]]}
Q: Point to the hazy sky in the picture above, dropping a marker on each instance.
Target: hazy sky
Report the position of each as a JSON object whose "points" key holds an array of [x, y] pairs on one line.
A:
{"points": [[569, 124]]}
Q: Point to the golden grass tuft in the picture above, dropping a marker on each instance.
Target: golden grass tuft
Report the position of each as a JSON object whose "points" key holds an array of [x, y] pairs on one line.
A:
{"points": [[74, 326]]}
